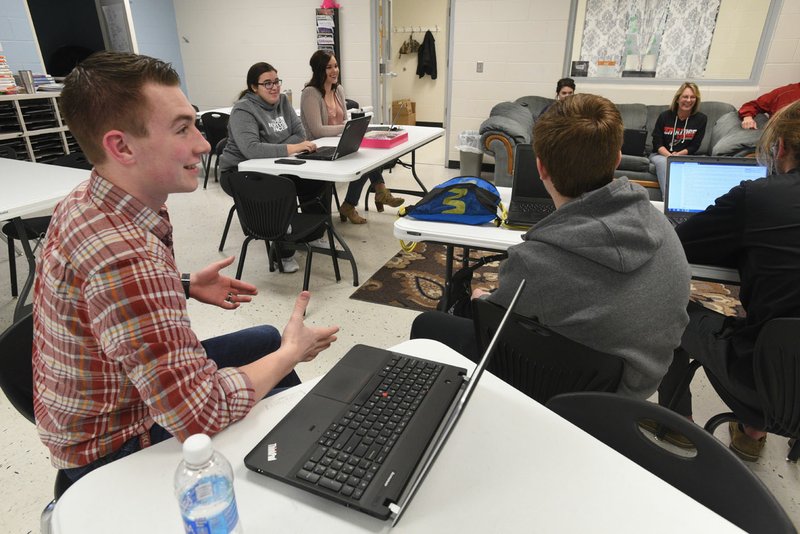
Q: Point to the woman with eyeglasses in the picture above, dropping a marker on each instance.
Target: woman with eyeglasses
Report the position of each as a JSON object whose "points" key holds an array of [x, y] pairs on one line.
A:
{"points": [[324, 112], [678, 131], [263, 124]]}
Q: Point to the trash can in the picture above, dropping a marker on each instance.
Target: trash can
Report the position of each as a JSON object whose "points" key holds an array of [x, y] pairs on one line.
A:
{"points": [[470, 153]]}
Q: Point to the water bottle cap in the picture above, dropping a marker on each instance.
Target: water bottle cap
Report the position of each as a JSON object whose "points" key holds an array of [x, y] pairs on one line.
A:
{"points": [[197, 449]]}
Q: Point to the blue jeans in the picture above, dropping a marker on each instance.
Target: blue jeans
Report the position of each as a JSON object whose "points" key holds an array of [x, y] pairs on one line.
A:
{"points": [[229, 350], [660, 163], [355, 188]]}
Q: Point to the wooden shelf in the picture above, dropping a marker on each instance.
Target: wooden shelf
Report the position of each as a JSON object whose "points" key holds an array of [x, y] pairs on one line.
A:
{"points": [[33, 127]]}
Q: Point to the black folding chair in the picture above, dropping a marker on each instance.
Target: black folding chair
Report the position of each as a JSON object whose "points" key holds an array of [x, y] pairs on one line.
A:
{"points": [[267, 208], [714, 477], [16, 381], [538, 361], [215, 126]]}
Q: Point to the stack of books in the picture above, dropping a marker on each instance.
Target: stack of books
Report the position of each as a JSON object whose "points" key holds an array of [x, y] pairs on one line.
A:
{"points": [[7, 84]]}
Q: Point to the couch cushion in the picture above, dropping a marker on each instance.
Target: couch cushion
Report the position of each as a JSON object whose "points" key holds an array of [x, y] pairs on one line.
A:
{"points": [[713, 110], [634, 164], [511, 118], [634, 116], [730, 139]]}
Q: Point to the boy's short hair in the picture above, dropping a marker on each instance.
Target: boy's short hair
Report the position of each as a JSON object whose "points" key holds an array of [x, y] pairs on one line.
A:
{"points": [[578, 140], [104, 92]]}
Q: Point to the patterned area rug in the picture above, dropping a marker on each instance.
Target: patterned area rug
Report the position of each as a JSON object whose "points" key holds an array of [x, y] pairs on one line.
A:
{"points": [[415, 281]]}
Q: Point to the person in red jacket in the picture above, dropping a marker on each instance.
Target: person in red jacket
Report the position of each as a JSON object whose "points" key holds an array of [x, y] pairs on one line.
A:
{"points": [[768, 103]]}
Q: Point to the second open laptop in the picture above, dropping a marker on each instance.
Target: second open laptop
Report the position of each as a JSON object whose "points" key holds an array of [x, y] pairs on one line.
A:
{"points": [[353, 133], [530, 202], [366, 435], [695, 182]]}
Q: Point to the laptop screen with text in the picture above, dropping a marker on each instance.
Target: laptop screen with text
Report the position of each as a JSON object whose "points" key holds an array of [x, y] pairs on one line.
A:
{"points": [[693, 184]]}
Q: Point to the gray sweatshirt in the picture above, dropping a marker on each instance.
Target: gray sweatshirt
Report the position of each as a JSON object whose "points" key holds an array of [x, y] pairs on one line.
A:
{"points": [[259, 130], [608, 271]]}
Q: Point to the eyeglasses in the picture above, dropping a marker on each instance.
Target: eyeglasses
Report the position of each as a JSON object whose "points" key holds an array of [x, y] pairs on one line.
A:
{"points": [[268, 84]]}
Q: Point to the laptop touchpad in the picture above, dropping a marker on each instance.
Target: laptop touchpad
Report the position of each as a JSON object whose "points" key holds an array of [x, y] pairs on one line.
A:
{"points": [[343, 383]]}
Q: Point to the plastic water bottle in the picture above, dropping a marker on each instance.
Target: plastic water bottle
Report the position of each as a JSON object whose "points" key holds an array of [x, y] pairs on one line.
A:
{"points": [[204, 488]]}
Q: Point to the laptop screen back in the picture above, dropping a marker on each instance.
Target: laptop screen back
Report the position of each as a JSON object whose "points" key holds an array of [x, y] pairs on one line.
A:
{"points": [[527, 183], [694, 183]]}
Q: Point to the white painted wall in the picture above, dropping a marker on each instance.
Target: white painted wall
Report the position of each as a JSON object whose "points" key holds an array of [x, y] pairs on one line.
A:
{"points": [[221, 40], [522, 44], [429, 94]]}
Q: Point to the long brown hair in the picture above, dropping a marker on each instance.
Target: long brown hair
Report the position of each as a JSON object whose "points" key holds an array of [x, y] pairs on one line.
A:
{"points": [[785, 124], [319, 63]]}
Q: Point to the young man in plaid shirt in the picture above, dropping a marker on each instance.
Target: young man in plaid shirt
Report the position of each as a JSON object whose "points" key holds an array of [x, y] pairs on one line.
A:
{"points": [[117, 366]]}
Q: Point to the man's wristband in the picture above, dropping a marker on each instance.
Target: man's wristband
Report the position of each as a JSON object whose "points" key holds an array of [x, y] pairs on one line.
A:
{"points": [[185, 282]]}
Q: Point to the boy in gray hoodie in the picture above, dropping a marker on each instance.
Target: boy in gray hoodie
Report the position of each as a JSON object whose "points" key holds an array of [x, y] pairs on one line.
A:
{"points": [[606, 269]]}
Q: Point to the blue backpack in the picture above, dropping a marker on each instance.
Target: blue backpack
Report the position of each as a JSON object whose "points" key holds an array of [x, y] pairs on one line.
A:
{"points": [[465, 200]]}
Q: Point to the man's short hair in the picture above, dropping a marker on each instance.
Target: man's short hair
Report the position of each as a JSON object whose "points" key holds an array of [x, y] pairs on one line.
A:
{"points": [[104, 92], [578, 141]]}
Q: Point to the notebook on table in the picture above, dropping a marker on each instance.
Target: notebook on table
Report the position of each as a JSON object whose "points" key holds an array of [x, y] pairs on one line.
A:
{"points": [[530, 202], [353, 133], [694, 182], [367, 434]]}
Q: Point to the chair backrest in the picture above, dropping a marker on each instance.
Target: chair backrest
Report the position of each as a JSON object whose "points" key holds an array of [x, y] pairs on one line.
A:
{"points": [[16, 369], [351, 104], [777, 375], [8, 152], [714, 477], [220, 147], [215, 126], [540, 362], [265, 203]]}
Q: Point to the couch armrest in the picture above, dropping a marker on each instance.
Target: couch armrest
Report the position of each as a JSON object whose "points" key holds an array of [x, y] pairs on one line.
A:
{"points": [[501, 147]]}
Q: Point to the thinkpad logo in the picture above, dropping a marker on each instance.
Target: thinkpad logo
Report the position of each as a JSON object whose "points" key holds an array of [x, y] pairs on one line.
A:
{"points": [[272, 452]]}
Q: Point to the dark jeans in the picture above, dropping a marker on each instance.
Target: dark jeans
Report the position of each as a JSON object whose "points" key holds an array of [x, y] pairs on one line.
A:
{"points": [[355, 188], [229, 350], [457, 333], [707, 339]]}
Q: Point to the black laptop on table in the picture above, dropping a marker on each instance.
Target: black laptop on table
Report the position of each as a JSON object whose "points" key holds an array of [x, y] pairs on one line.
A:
{"points": [[634, 142], [353, 133], [530, 202], [366, 435], [695, 182]]}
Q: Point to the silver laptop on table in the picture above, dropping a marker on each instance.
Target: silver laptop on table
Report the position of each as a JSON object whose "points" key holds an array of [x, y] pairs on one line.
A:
{"points": [[368, 433], [695, 182]]}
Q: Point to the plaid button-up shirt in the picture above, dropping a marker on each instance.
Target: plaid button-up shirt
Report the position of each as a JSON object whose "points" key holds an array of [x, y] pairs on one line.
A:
{"points": [[113, 347]]}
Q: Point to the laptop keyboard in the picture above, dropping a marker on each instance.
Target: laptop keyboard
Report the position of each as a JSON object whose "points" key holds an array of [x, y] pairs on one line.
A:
{"points": [[677, 220], [535, 207], [351, 451]]}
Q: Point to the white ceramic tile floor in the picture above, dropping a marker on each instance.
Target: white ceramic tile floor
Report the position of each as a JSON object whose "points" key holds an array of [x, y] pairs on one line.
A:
{"points": [[26, 477]]}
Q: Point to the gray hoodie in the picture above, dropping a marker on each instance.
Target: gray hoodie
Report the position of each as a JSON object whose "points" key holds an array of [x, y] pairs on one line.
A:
{"points": [[608, 271], [259, 130]]}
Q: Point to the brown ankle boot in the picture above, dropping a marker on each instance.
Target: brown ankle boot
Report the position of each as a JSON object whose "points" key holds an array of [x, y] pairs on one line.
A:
{"points": [[347, 212], [384, 196]]}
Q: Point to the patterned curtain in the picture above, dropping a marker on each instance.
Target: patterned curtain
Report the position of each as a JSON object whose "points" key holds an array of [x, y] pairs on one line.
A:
{"points": [[679, 31], [687, 38]]}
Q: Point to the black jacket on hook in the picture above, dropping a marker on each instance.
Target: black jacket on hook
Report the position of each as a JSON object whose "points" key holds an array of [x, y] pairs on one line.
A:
{"points": [[426, 62]]}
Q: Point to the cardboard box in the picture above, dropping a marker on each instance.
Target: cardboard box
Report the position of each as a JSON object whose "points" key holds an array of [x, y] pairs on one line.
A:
{"points": [[405, 110]]}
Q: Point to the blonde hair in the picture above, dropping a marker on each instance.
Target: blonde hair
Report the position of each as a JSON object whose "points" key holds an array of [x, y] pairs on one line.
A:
{"points": [[785, 124], [681, 89]]}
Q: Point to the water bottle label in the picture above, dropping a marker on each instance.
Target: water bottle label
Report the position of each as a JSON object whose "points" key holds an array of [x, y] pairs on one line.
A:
{"points": [[201, 507]]}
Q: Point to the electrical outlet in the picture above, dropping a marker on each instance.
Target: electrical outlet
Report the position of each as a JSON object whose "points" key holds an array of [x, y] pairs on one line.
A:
{"points": [[479, 66]]}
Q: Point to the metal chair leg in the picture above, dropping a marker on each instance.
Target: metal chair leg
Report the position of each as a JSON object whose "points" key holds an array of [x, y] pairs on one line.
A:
{"points": [[242, 256], [12, 267], [227, 227]]}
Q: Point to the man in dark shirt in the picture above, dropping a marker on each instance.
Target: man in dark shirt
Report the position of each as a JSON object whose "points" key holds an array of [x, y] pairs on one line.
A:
{"points": [[755, 227]]}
